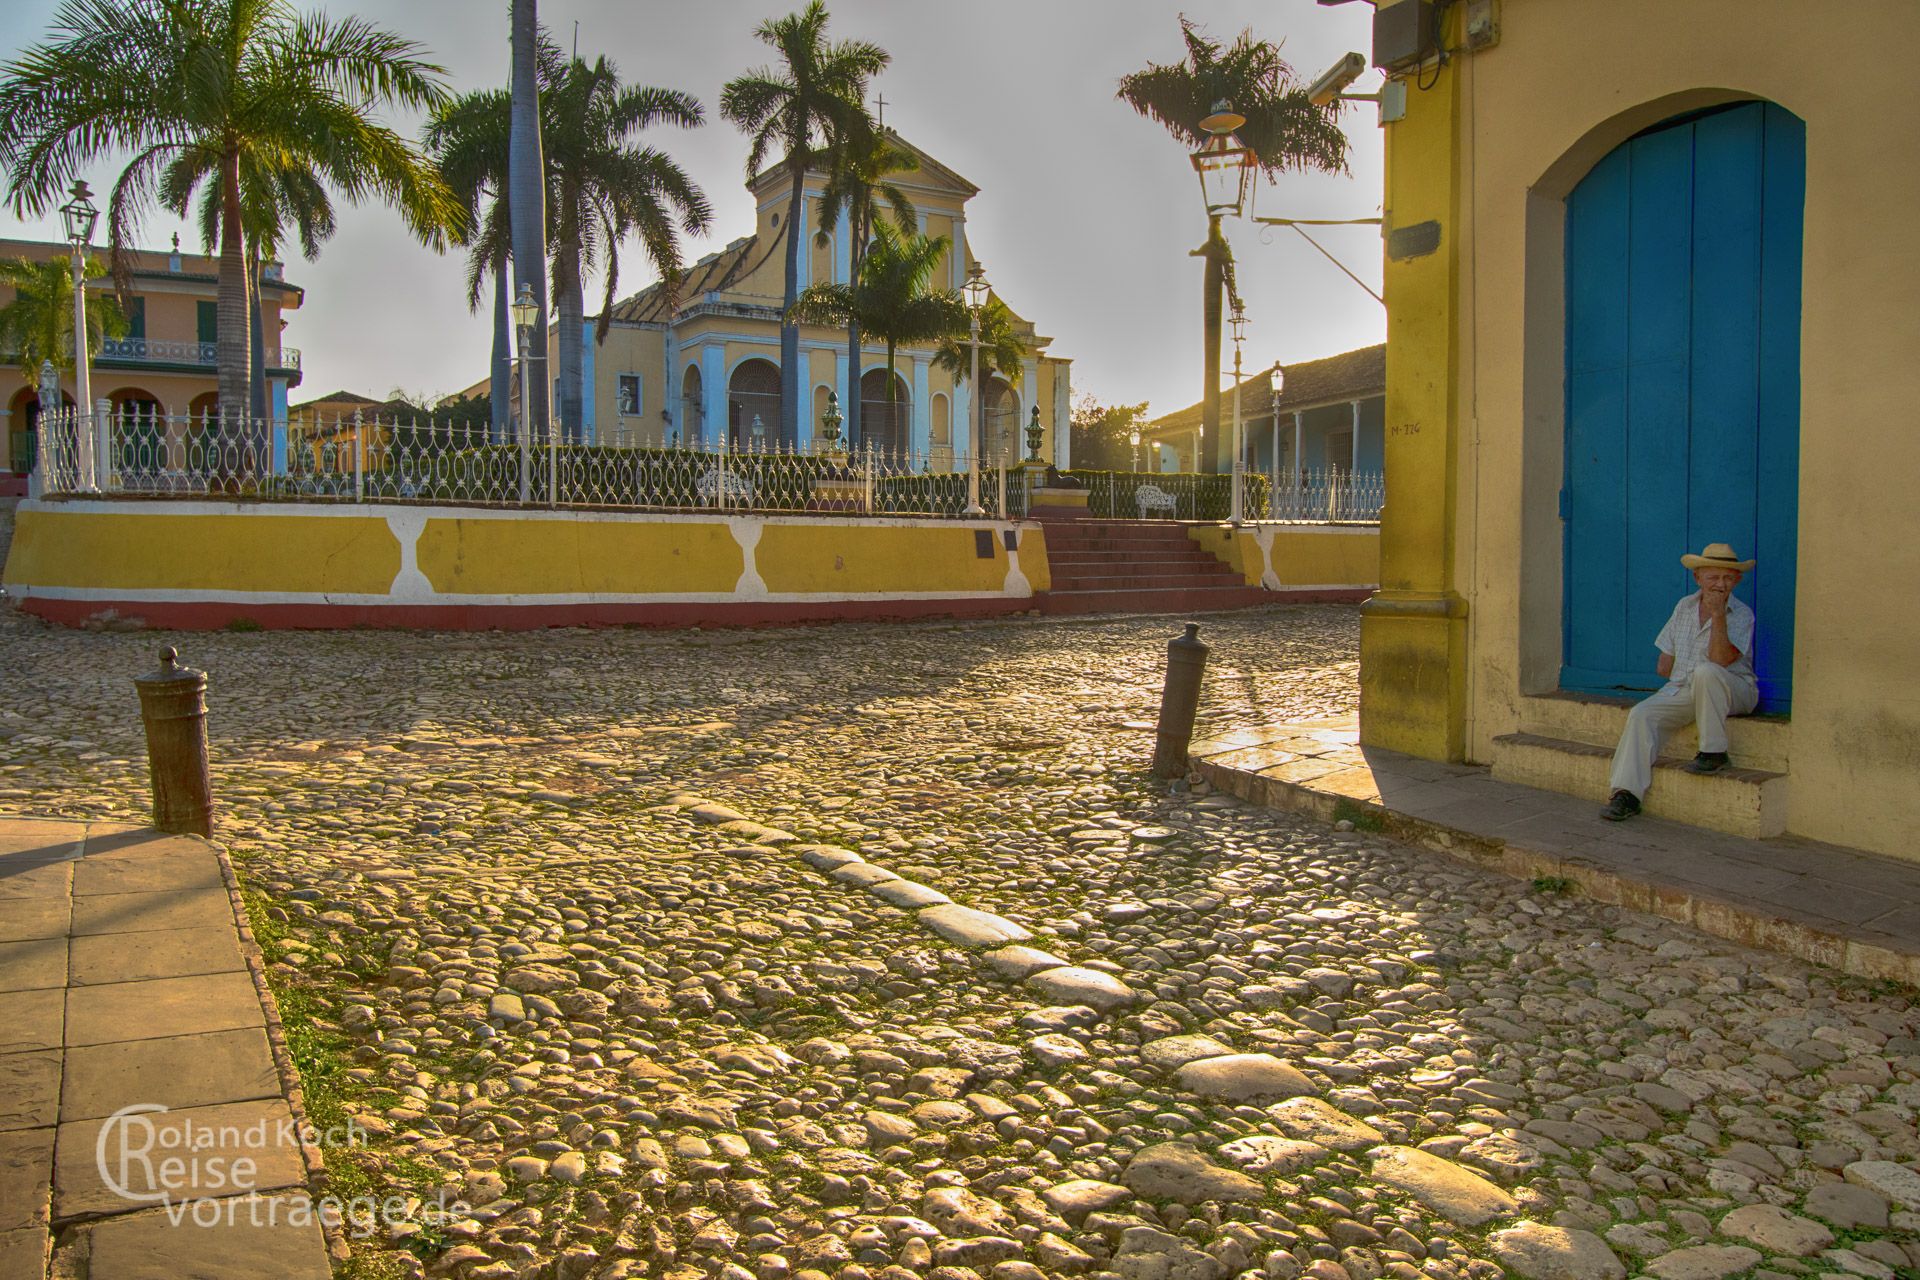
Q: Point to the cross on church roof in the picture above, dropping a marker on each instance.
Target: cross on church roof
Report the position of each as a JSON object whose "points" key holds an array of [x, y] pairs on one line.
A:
{"points": [[880, 101]]}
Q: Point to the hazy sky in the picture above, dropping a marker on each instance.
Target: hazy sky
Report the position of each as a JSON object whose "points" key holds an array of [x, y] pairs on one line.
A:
{"points": [[1085, 220]]}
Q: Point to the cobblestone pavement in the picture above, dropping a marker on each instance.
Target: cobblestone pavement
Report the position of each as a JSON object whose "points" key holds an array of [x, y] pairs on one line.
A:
{"points": [[573, 924]]}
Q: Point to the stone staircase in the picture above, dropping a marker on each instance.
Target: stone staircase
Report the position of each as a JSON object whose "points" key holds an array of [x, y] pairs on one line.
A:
{"points": [[1565, 744], [1137, 566]]}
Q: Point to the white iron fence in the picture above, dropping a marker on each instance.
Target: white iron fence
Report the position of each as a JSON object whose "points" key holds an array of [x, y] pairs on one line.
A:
{"points": [[1320, 496], [370, 459], [392, 460]]}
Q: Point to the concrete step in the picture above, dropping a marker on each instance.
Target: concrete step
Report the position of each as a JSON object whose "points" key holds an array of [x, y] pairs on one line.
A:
{"points": [[1185, 555], [1157, 568], [1741, 802], [1165, 600], [1754, 742]]}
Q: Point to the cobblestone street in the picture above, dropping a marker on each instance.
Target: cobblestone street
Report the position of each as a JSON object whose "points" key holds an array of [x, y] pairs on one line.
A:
{"points": [[572, 924]]}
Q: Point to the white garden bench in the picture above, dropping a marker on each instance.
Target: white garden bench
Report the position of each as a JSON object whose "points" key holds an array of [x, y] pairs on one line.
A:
{"points": [[1151, 497], [717, 486]]}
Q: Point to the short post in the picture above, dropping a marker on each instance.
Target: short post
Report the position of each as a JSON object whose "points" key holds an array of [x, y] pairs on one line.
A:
{"points": [[1179, 702], [173, 707], [103, 443]]}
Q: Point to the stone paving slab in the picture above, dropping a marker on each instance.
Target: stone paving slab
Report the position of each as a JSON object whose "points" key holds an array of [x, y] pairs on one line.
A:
{"points": [[1830, 905], [124, 981]]}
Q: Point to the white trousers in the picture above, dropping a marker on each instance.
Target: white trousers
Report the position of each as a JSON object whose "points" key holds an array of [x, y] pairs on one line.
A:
{"points": [[1707, 696]]}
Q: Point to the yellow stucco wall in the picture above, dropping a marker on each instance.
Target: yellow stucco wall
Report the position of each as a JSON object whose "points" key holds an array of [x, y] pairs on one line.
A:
{"points": [[1297, 556], [1475, 363], [122, 552], [821, 558], [566, 557], [153, 550]]}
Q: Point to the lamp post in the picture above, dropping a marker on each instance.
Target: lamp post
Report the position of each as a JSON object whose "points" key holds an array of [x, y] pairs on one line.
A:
{"points": [[524, 311], [1276, 383], [1238, 513], [1223, 167], [1133, 442], [758, 433], [80, 214], [978, 290]]}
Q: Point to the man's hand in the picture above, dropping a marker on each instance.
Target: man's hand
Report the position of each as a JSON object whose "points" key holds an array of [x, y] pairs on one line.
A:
{"points": [[1716, 601]]}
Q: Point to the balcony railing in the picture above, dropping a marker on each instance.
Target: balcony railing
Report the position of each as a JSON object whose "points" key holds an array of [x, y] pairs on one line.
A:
{"points": [[157, 351]]}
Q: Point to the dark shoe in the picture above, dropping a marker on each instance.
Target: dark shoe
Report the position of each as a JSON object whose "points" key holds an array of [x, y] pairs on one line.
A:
{"points": [[1707, 762], [1622, 806]]}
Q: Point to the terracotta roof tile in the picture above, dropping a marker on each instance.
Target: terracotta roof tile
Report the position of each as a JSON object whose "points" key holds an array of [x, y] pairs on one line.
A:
{"points": [[1351, 375]]}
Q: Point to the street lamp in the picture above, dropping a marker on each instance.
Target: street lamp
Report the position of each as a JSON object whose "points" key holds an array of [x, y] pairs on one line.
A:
{"points": [[1223, 165], [978, 291], [1276, 383], [1238, 513], [759, 434], [1133, 443], [525, 309], [80, 214]]}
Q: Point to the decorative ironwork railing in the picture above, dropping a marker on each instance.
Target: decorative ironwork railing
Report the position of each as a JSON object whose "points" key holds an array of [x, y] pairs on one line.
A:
{"points": [[389, 459], [1322, 495], [372, 459], [158, 351]]}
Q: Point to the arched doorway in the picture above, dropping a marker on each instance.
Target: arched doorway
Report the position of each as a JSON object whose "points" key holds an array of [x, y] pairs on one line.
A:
{"points": [[1003, 423], [1683, 269], [692, 407], [885, 424], [139, 435], [754, 392]]}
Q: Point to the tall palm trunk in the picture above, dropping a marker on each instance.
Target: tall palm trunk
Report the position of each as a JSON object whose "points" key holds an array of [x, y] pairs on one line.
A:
{"points": [[232, 356], [1214, 283], [569, 312], [257, 343], [527, 202], [856, 248], [789, 329], [500, 382]]}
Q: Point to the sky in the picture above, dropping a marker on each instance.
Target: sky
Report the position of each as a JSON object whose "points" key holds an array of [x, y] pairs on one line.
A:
{"points": [[1085, 220]]}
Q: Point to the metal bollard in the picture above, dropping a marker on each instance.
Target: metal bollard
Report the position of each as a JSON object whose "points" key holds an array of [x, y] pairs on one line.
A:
{"points": [[173, 706], [1179, 700]]}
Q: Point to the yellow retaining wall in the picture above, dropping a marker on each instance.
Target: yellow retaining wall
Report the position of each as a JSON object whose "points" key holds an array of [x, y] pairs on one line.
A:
{"points": [[198, 564], [1297, 557]]}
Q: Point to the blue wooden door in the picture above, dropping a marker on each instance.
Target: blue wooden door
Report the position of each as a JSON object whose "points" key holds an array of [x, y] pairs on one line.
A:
{"points": [[1683, 387]]}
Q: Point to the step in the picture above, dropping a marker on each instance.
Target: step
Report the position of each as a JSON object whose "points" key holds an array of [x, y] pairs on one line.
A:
{"points": [[1755, 742], [1189, 554], [1121, 576], [1148, 568], [1741, 802], [1171, 600]]}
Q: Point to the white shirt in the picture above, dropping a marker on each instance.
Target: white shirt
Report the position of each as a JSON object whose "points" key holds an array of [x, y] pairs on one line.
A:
{"points": [[1687, 638]]}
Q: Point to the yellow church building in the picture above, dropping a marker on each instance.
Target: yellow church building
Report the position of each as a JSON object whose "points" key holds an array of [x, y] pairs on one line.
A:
{"points": [[1651, 284], [706, 367]]}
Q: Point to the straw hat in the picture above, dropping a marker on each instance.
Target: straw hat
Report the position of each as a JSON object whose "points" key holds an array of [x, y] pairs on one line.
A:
{"points": [[1718, 555]]}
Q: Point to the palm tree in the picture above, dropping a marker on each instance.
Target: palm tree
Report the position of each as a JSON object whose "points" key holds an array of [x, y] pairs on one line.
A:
{"points": [[603, 189], [1284, 131], [203, 89], [469, 138], [38, 324], [856, 189], [600, 188], [527, 195], [818, 92], [891, 299], [1003, 350]]}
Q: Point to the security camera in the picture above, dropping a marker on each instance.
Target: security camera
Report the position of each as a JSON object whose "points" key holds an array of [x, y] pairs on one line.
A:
{"points": [[1326, 90]]}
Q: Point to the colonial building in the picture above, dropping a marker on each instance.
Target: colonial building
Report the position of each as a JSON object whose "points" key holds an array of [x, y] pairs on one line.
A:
{"points": [[165, 365], [1328, 417], [708, 367], [1650, 284]]}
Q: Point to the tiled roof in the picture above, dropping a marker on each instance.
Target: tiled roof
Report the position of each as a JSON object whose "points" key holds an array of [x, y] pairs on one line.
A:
{"points": [[1351, 375], [714, 272], [338, 397]]}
